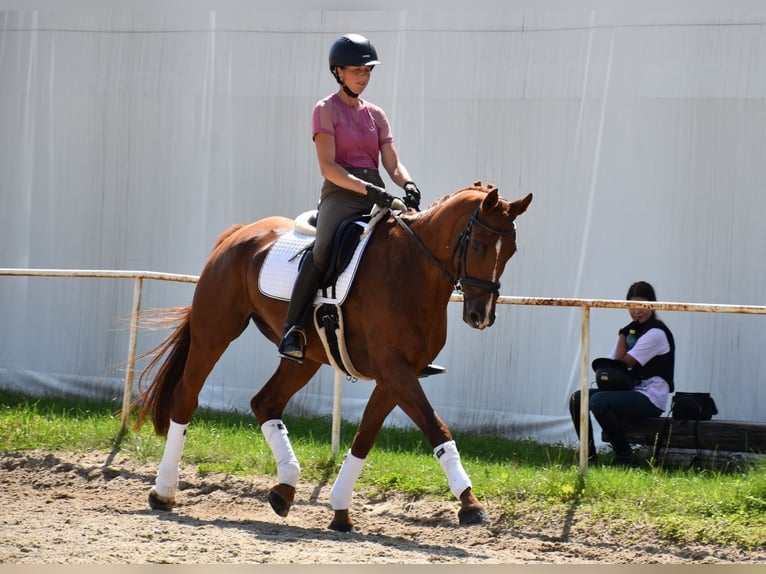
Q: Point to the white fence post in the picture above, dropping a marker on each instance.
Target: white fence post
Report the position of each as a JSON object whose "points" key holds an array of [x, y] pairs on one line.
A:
{"points": [[584, 392], [127, 394], [336, 416]]}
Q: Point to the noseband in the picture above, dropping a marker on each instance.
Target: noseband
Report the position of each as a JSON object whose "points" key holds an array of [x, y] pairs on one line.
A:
{"points": [[461, 249]]}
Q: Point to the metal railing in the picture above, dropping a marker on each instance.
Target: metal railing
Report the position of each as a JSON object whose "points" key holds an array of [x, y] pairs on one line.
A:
{"points": [[138, 282], [584, 304]]}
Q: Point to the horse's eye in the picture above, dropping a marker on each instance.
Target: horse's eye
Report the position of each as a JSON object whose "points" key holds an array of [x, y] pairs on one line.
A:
{"points": [[475, 247]]}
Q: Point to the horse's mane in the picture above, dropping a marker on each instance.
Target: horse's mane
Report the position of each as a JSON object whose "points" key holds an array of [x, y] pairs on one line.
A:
{"points": [[477, 186]]}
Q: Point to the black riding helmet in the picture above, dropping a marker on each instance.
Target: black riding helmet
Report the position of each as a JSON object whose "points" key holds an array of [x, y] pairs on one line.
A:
{"points": [[352, 50]]}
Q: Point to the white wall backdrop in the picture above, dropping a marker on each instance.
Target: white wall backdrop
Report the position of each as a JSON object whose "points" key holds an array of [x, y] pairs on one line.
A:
{"points": [[130, 141]]}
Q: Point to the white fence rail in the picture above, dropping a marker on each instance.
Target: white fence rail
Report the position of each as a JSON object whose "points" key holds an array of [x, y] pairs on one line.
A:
{"points": [[585, 304], [138, 282]]}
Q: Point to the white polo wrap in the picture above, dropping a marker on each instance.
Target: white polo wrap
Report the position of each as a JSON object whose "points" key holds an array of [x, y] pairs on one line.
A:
{"points": [[167, 474], [288, 469], [340, 495], [449, 459]]}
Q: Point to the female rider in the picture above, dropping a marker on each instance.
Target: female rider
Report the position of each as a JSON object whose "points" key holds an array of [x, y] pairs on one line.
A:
{"points": [[351, 136]]}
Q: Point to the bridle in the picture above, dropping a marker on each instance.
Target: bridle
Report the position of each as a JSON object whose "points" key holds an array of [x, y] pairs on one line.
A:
{"points": [[461, 250]]}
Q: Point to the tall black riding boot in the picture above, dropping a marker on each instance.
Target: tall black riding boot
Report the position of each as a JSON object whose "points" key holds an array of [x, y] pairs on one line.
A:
{"points": [[293, 344]]}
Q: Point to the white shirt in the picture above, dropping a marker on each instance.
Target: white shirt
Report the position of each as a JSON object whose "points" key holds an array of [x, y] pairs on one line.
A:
{"points": [[652, 343]]}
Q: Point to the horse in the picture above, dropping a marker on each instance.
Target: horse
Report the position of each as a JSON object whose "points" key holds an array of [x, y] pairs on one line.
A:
{"points": [[395, 319]]}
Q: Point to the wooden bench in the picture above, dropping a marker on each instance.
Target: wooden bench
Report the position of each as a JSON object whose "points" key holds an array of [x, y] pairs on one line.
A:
{"points": [[716, 443]]}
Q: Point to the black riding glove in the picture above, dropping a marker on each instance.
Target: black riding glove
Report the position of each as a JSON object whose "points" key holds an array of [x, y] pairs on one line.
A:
{"points": [[379, 196], [627, 329], [412, 195]]}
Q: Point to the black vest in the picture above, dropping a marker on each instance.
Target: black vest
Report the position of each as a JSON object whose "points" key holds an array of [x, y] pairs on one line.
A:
{"points": [[660, 365]]}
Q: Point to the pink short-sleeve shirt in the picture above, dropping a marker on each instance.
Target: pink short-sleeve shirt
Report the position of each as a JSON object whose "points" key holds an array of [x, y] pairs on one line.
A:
{"points": [[359, 132]]}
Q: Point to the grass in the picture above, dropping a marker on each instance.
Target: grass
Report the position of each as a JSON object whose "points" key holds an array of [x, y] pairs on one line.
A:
{"points": [[521, 481]]}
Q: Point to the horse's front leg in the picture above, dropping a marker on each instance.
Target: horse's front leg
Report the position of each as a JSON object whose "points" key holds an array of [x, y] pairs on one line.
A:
{"points": [[471, 510], [412, 400], [267, 406], [378, 408]]}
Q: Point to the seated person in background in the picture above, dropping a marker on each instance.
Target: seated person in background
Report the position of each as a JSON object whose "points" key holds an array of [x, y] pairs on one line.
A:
{"points": [[647, 347]]}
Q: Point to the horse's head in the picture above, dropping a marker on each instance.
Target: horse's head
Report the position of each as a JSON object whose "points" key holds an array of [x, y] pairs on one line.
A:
{"points": [[484, 247]]}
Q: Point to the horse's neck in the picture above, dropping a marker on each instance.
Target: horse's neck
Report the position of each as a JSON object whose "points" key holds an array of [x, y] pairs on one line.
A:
{"points": [[438, 231]]}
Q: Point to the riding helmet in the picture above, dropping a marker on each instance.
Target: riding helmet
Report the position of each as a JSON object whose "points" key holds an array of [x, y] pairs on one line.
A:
{"points": [[352, 50]]}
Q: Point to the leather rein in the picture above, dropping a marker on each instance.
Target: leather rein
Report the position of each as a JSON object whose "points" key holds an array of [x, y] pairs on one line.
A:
{"points": [[462, 250]]}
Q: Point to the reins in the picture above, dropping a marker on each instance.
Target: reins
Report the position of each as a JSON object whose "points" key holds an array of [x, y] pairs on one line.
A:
{"points": [[462, 249], [424, 249]]}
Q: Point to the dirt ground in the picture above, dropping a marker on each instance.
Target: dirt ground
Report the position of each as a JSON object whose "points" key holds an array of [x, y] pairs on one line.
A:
{"points": [[92, 508]]}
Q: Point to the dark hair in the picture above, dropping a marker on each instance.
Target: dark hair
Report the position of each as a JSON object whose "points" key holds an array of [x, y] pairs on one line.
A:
{"points": [[641, 289]]}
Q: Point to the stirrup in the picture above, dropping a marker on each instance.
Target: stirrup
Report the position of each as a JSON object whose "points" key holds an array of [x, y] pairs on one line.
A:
{"points": [[294, 352], [430, 370]]}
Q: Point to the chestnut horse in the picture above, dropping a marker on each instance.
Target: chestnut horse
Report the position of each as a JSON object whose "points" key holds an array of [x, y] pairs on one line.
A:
{"points": [[395, 318]]}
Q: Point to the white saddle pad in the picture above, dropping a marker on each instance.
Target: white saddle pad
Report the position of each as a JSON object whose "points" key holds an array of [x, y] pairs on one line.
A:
{"points": [[278, 273]]}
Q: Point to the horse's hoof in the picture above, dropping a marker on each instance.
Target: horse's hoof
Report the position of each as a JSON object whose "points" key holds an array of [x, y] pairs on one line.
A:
{"points": [[472, 516], [281, 498], [158, 503], [342, 522]]}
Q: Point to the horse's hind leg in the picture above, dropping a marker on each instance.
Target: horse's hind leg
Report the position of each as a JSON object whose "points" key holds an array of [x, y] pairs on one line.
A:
{"points": [[204, 352], [162, 495], [267, 406], [379, 406]]}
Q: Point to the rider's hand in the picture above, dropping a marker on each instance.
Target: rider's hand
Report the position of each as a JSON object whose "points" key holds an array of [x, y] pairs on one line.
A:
{"points": [[412, 195], [379, 196]]}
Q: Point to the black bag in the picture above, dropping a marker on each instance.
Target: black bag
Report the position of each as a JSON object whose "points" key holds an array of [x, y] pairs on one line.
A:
{"points": [[613, 375], [693, 406]]}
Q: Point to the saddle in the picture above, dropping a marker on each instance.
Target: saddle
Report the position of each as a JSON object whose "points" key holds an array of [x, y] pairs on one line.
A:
{"points": [[283, 262], [280, 269], [344, 245], [328, 317]]}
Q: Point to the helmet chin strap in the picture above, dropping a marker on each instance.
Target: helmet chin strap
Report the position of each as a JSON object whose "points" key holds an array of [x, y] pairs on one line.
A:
{"points": [[349, 92]]}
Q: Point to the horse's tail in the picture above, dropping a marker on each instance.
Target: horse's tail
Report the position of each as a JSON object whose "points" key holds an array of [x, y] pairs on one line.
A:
{"points": [[157, 398]]}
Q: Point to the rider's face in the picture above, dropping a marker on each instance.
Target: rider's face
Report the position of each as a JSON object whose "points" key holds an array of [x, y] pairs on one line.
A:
{"points": [[355, 77]]}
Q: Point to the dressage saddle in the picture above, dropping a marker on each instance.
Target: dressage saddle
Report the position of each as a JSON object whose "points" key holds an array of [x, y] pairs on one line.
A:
{"points": [[345, 242]]}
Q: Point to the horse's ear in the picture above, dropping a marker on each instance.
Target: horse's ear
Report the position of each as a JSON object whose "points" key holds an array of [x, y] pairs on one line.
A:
{"points": [[520, 205], [490, 200]]}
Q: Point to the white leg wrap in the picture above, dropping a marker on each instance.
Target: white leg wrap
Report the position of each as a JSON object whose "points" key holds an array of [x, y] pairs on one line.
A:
{"points": [[449, 459], [167, 474], [340, 495], [288, 468]]}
